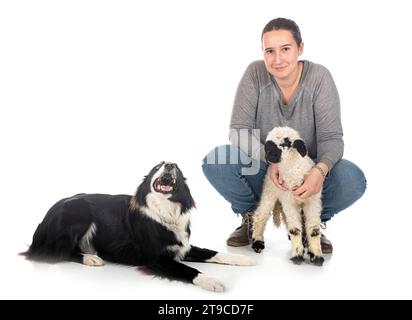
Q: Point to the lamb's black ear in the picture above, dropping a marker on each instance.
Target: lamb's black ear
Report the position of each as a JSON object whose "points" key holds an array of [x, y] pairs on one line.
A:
{"points": [[299, 145], [273, 153]]}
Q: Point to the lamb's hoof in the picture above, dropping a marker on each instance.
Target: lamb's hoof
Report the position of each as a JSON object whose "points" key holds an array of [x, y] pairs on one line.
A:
{"points": [[317, 261], [297, 259], [258, 246]]}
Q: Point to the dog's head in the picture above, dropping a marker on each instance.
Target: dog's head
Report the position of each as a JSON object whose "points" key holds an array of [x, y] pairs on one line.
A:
{"points": [[166, 180], [283, 139]]}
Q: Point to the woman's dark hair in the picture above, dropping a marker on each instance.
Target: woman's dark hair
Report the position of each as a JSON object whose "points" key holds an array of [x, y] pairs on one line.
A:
{"points": [[284, 24]]}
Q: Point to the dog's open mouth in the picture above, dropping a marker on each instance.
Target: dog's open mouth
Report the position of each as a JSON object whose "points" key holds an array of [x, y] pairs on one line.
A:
{"points": [[165, 183]]}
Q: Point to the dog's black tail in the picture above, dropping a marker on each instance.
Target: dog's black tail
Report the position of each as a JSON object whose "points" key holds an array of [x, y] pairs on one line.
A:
{"points": [[57, 236], [42, 249], [25, 254], [35, 256]]}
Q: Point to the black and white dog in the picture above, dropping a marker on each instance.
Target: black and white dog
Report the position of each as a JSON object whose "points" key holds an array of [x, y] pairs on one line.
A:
{"points": [[151, 229]]}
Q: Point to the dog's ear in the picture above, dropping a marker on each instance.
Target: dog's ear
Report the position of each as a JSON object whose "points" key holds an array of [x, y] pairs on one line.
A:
{"points": [[299, 145], [142, 190], [273, 153], [183, 196]]}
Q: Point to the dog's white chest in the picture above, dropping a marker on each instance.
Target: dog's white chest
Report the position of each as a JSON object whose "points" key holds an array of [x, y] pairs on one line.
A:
{"points": [[183, 237], [169, 215]]}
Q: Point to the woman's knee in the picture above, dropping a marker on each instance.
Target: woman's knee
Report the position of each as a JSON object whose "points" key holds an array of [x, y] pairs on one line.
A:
{"points": [[351, 177], [346, 183]]}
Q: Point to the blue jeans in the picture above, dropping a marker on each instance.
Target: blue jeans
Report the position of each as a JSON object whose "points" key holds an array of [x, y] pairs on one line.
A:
{"points": [[344, 184]]}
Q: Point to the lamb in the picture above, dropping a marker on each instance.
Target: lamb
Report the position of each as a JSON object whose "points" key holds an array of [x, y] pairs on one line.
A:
{"points": [[301, 216]]}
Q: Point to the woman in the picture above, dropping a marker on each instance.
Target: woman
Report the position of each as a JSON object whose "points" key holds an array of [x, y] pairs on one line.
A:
{"points": [[281, 90]]}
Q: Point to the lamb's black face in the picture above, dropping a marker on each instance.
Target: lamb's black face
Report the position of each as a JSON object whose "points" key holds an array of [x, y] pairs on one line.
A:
{"points": [[274, 152], [165, 177], [286, 143], [283, 139]]}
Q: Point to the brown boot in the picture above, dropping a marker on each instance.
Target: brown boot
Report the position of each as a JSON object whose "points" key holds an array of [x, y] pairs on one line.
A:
{"points": [[242, 236], [325, 244]]}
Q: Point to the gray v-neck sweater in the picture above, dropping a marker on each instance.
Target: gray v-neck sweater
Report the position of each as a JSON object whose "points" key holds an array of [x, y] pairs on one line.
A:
{"points": [[314, 111]]}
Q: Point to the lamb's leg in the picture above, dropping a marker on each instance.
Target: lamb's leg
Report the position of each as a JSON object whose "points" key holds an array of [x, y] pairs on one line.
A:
{"points": [[312, 210], [262, 214], [294, 223]]}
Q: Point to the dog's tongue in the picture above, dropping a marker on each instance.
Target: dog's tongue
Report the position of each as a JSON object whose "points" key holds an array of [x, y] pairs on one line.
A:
{"points": [[166, 188]]}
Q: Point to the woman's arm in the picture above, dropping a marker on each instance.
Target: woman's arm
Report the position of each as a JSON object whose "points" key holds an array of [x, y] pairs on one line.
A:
{"points": [[328, 123], [328, 135], [242, 123]]}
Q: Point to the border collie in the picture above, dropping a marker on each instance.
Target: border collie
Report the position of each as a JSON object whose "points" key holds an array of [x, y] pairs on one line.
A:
{"points": [[151, 229]]}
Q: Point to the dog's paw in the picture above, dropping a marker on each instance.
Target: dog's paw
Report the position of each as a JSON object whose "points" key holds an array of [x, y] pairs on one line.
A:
{"points": [[242, 260], [297, 259], [208, 283], [258, 246], [232, 259], [92, 260]]}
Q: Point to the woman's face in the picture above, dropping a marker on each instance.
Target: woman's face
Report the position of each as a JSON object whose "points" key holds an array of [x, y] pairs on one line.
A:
{"points": [[281, 53]]}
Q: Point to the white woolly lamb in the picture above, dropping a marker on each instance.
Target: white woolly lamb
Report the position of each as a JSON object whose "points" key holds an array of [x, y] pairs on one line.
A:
{"points": [[284, 146]]}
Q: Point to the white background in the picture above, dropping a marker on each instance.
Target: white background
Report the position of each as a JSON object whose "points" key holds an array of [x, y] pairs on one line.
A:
{"points": [[94, 93]]}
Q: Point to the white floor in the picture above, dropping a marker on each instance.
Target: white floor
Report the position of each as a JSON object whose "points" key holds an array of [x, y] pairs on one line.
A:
{"points": [[366, 264]]}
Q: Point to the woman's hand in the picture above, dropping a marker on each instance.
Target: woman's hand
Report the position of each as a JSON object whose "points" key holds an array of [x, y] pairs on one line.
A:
{"points": [[311, 185], [274, 175]]}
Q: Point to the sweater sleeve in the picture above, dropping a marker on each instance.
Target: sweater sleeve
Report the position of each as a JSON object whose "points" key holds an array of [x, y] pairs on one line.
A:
{"points": [[329, 133], [243, 120]]}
